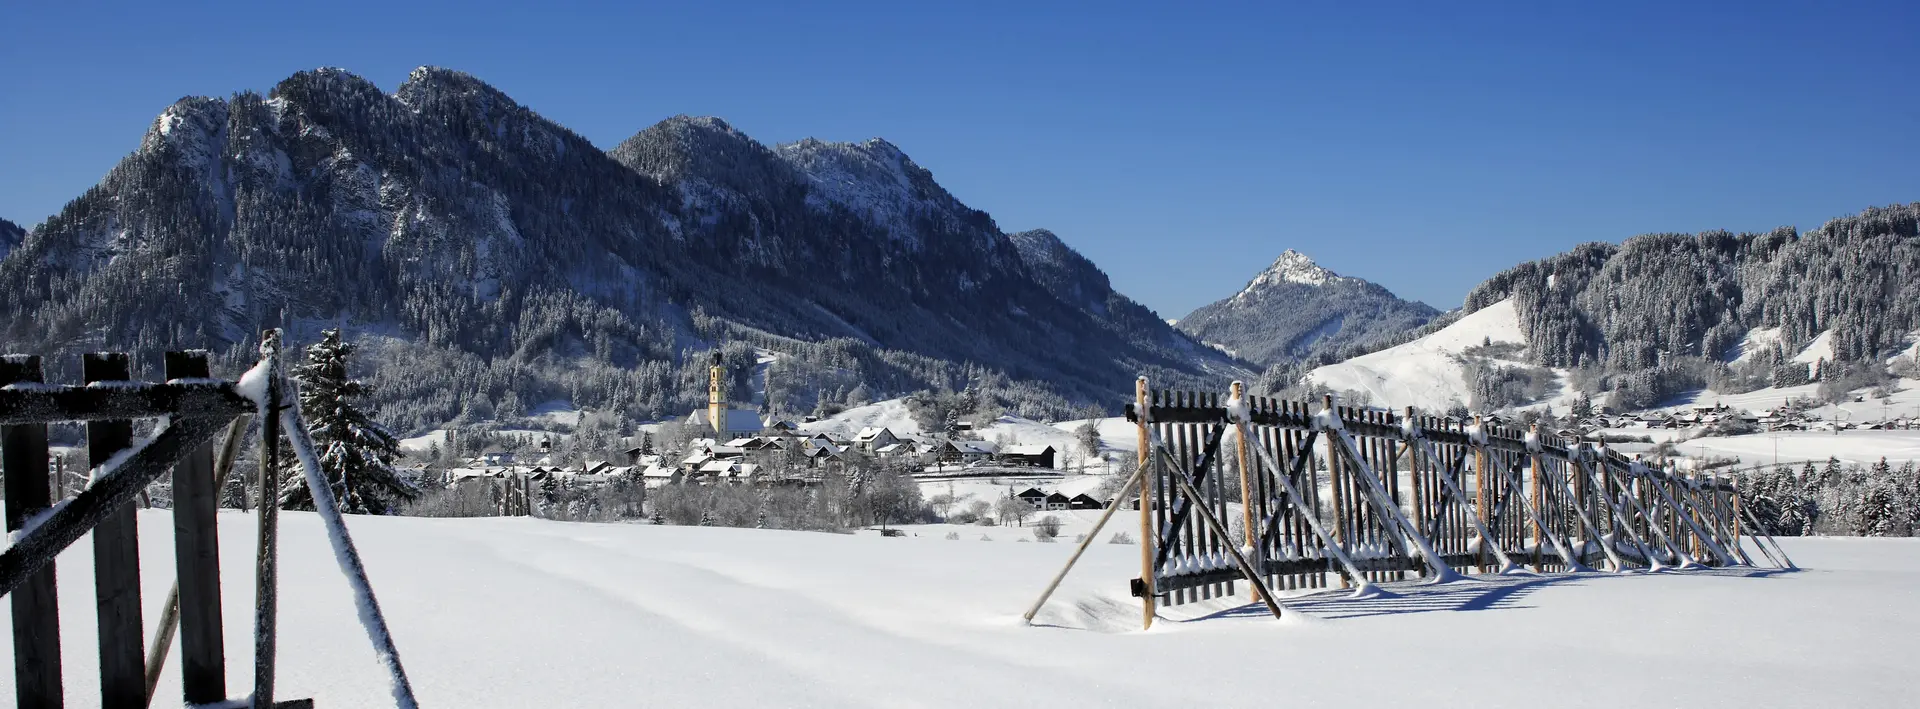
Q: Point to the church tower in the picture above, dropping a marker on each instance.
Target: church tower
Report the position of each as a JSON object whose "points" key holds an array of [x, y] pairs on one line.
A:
{"points": [[716, 397]]}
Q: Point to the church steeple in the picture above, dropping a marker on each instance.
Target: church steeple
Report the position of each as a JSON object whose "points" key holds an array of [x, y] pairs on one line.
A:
{"points": [[716, 396]]}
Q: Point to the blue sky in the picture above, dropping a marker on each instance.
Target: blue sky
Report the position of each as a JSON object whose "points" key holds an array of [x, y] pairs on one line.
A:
{"points": [[1181, 146]]}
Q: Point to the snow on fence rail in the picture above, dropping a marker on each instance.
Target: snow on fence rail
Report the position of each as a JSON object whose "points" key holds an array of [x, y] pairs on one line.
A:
{"points": [[1282, 495], [192, 410]]}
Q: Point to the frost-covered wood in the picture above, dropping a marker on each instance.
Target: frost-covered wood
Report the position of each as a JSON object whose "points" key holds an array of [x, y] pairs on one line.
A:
{"points": [[1389, 496]]}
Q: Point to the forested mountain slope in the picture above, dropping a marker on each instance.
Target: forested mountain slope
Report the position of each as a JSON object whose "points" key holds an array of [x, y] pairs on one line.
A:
{"points": [[1661, 313], [1296, 311], [490, 257], [10, 234]]}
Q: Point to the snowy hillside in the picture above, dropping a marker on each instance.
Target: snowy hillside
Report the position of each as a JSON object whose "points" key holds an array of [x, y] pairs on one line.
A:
{"points": [[1427, 372], [515, 612], [1115, 433]]}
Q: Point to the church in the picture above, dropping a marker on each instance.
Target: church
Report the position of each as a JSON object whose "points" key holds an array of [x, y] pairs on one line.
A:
{"points": [[720, 420]]}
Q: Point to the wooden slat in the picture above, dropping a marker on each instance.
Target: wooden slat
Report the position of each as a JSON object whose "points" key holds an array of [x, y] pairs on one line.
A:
{"points": [[116, 557], [46, 404], [33, 551], [36, 610], [196, 502]]}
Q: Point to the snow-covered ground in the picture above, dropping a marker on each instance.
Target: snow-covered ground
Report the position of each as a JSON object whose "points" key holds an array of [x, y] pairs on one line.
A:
{"points": [[1427, 372], [514, 612], [1862, 447]]}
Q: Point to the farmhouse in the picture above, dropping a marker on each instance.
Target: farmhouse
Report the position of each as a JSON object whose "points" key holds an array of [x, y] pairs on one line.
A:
{"points": [[1083, 501], [970, 451], [1034, 455], [872, 438]]}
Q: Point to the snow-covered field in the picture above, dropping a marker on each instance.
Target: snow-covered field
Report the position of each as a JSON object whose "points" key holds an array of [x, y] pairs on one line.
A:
{"points": [[1861, 447], [514, 612], [1427, 372]]}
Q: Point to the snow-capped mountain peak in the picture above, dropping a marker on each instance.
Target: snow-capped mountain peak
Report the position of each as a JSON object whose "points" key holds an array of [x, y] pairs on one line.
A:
{"points": [[1296, 308], [1291, 267]]}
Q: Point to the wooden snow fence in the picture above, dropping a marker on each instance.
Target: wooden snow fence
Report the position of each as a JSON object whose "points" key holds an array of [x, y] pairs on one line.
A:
{"points": [[197, 428], [1344, 496]]}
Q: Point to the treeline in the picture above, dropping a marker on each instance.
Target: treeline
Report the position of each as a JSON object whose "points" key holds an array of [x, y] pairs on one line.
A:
{"points": [[1879, 500], [1660, 313]]}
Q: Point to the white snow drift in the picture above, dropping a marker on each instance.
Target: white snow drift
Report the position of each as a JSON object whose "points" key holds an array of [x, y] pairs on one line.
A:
{"points": [[513, 612]]}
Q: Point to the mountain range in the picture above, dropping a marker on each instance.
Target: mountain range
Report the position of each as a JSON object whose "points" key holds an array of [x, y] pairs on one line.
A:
{"points": [[485, 250], [491, 261]]}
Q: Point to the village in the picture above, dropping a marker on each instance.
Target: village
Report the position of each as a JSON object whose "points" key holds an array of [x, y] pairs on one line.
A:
{"points": [[725, 444]]}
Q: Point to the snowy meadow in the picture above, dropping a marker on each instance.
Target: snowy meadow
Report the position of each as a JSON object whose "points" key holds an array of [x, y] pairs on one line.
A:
{"points": [[516, 612]]}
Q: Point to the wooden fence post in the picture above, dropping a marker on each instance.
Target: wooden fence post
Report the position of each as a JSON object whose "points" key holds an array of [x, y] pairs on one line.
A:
{"points": [[1539, 500], [116, 558], [1247, 524], [1141, 411], [196, 504], [1336, 480], [266, 580], [1481, 481], [36, 610]]}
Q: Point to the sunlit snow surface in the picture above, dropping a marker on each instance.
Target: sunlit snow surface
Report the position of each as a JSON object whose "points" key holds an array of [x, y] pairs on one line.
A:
{"points": [[517, 613]]}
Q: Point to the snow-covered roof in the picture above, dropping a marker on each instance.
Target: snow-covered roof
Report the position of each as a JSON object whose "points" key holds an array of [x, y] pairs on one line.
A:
{"points": [[871, 432], [974, 446], [735, 420]]}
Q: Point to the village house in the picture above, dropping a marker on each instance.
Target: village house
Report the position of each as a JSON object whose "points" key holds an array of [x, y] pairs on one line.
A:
{"points": [[1033, 497], [971, 451], [1057, 502], [872, 438], [1032, 455], [903, 449], [1083, 501]]}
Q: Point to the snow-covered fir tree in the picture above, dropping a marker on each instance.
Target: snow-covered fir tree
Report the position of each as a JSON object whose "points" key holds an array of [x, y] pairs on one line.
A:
{"points": [[356, 454]]}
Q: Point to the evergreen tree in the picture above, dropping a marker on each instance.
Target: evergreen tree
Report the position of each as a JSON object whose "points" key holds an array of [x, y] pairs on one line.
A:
{"points": [[355, 454], [1582, 408]]}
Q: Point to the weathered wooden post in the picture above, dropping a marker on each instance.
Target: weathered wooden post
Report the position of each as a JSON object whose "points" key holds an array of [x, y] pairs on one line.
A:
{"points": [[1336, 481], [1248, 529], [116, 557], [266, 571], [36, 610], [1146, 504], [1411, 425], [196, 504], [1539, 498], [1480, 483]]}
